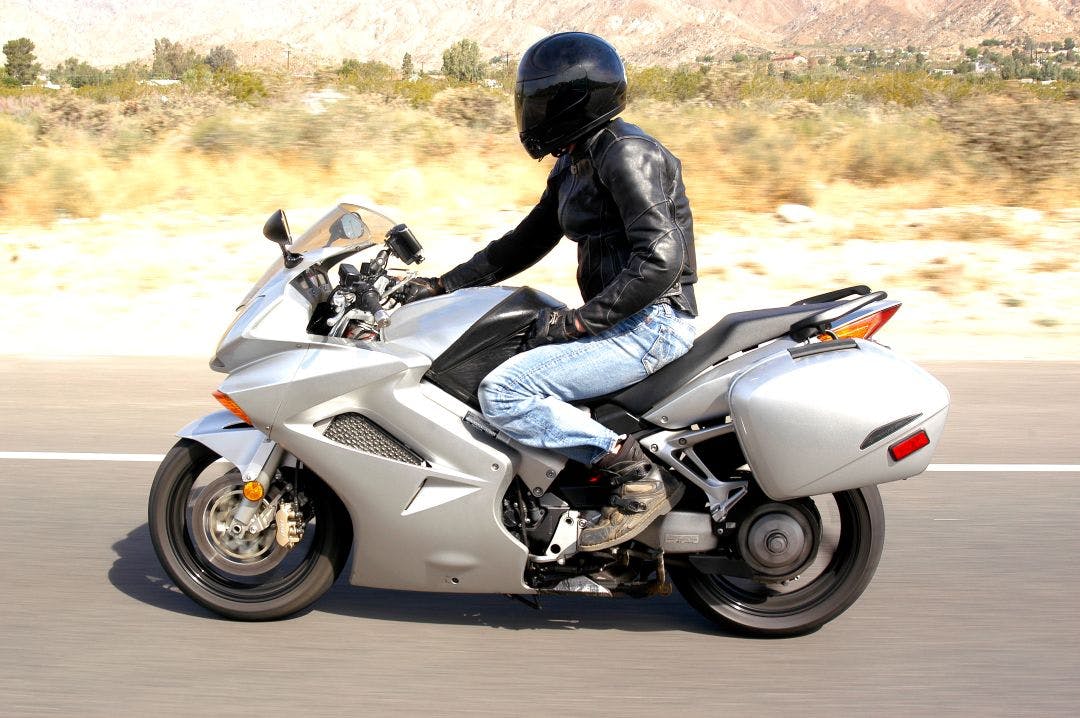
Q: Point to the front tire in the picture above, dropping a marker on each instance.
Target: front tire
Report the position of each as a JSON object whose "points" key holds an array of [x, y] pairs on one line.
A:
{"points": [[839, 576], [258, 585]]}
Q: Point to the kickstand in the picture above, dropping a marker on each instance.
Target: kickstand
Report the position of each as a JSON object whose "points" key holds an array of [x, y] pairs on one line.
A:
{"points": [[533, 603]]}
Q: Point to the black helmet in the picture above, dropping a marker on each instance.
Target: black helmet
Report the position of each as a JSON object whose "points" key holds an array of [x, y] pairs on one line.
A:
{"points": [[567, 85]]}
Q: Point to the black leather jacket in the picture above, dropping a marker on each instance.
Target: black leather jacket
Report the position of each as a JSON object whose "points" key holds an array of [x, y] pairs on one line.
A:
{"points": [[620, 197]]}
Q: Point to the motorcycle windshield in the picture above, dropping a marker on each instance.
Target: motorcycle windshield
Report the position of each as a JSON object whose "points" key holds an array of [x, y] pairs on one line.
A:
{"points": [[346, 226]]}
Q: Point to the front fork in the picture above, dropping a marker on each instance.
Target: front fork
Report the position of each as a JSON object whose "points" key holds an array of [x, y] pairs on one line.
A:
{"points": [[262, 468]]}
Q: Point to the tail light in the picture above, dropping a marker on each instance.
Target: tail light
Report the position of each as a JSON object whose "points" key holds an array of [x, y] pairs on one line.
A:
{"points": [[863, 327], [903, 449]]}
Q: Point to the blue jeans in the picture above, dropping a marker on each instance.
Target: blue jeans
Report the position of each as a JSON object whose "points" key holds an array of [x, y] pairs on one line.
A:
{"points": [[526, 396]]}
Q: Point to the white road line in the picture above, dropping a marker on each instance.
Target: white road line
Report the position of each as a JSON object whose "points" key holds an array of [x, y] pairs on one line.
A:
{"points": [[1007, 468], [156, 458], [62, 456]]}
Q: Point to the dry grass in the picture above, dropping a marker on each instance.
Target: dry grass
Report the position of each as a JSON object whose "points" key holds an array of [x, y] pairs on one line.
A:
{"points": [[1053, 264], [970, 229], [69, 155], [943, 277]]}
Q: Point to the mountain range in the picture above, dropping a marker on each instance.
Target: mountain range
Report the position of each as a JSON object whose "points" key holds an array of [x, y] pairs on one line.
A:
{"points": [[283, 32]]}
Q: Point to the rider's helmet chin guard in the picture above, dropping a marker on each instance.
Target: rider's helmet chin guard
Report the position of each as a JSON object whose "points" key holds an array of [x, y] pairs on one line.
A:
{"points": [[568, 85]]}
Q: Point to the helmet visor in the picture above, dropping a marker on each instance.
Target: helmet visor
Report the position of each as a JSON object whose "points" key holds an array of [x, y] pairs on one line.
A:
{"points": [[540, 104]]}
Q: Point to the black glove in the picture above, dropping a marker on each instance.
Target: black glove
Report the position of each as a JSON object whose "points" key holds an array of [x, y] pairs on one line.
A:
{"points": [[552, 326], [420, 288]]}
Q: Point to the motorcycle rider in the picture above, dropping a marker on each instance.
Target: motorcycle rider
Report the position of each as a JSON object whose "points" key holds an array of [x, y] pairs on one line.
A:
{"points": [[618, 193]]}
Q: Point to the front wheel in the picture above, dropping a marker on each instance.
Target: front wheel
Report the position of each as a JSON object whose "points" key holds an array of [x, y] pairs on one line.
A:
{"points": [[848, 549], [248, 578]]}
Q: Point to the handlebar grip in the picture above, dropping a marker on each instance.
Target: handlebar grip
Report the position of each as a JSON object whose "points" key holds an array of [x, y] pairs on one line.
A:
{"points": [[371, 302]]}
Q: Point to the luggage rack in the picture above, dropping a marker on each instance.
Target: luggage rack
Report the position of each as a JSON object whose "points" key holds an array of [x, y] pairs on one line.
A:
{"points": [[823, 320]]}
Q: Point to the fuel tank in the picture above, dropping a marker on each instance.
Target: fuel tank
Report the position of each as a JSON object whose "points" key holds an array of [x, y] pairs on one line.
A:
{"points": [[468, 333]]}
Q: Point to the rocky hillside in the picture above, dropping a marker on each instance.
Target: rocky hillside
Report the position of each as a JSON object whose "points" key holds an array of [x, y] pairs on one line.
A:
{"points": [[273, 32], [931, 23]]}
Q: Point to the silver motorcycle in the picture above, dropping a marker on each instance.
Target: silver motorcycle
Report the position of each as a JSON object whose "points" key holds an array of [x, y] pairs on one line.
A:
{"points": [[351, 425]]}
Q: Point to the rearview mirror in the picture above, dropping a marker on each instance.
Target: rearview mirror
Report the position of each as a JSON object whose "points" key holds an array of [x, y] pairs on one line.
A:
{"points": [[276, 228]]}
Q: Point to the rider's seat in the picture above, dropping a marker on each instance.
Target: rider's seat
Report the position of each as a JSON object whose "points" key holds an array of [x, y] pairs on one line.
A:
{"points": [[734, 333]]}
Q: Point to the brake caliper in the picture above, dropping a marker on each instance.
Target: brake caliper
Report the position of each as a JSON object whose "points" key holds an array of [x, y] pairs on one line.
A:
{"points": [[290, 524]]}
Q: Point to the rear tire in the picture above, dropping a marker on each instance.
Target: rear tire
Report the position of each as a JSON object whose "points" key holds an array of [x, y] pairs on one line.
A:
{"points": [[760, 609], [285, 587]]}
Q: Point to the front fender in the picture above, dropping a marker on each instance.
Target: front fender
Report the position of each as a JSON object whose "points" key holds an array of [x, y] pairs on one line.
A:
{"points": [[225, 435]]}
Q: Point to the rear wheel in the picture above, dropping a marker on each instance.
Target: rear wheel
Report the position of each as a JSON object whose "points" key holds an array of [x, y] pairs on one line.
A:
{"points": [[249, 578], [834, 560]]}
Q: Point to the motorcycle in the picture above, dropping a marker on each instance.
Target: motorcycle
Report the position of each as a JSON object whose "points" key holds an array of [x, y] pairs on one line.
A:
{"points": [[351, 426]]}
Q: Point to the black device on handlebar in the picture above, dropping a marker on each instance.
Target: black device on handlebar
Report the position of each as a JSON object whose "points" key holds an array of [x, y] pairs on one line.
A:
{"points": [[403, 243]]}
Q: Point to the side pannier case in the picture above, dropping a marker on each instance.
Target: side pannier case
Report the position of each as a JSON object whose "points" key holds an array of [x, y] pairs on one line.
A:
{"points": [[822, 417]]}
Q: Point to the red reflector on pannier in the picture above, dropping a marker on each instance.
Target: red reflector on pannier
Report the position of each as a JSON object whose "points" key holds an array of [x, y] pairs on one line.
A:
{"points": [[907, 447]]}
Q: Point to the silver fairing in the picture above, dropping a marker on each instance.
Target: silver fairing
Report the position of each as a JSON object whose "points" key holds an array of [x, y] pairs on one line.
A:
{"points": [[434, 525]]}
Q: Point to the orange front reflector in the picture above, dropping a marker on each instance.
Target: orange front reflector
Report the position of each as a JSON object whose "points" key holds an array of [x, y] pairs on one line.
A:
{"points": [[232, 406], [863, 328], [907, 447], [253, 491]]}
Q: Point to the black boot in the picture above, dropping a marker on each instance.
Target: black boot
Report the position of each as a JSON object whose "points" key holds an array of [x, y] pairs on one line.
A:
{"points": [[643, 492]]}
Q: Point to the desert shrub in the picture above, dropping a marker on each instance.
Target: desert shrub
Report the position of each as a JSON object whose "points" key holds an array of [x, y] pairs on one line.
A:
{"points": [[421, 91], [69, 193], [764, 165], [117, 90], [475, 108], [290, 132], [15, 139], [77, 73], [906, 88], [375, 77], [129, 138], [1032, 139], [198, 78], [218, 135], [242, 85], [71, 114], [899, 150], [664, 83]]}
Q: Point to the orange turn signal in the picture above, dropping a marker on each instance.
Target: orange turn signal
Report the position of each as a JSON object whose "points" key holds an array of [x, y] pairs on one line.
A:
{"points": [[863, 328], [232, 406], [253, 491]]}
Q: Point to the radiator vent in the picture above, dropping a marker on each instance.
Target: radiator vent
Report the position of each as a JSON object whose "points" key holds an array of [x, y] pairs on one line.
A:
{"points": [[360, 433]]}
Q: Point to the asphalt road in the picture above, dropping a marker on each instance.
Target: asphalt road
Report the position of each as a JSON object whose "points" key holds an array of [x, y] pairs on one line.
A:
{"points": [[973, 610]]}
